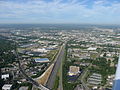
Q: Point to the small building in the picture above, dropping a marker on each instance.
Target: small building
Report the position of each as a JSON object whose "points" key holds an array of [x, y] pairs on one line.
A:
{"points": [[5, 76], [42, 50], [7, 87], [23, 88], [41, 60], [73, 70], [92, 48], [110, 80]]}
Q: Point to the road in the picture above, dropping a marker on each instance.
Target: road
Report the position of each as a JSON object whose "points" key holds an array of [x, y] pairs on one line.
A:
{"points": [[31, 80], [60, 87], [39, 86], [83, 75], [57, 63], [82, 81]]}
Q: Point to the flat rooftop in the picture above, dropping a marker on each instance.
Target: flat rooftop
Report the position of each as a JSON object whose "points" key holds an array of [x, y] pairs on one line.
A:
{"points": [[41, 59]]}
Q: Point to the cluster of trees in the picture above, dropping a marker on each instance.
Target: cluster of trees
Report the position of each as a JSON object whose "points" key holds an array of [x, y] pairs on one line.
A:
{"points": [[103, 68], [6, 54], [77, 46], [66, 64], [16, 86], [80, 42]]}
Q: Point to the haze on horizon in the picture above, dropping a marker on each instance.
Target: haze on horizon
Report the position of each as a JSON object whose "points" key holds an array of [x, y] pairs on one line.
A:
{"points": [[60, 11]]}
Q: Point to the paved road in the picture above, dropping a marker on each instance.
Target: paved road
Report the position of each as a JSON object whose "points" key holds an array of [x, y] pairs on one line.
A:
{"points": [[57, 63], [83, 83], [83, 77], [41, 87], [60, 87], [31, 80]]}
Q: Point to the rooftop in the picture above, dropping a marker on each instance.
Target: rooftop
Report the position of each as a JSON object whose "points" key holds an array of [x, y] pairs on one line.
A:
{"points": [[41, 60], [73, 70], [7, 87]]}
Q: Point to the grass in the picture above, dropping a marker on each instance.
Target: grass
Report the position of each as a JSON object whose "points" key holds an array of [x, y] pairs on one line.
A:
{"points": [[44, 77], [56, 84], [58, 77], [65, 68]]}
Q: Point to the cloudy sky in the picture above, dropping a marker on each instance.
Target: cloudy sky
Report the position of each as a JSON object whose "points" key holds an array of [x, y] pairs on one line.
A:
{"points": [[60, 11]]}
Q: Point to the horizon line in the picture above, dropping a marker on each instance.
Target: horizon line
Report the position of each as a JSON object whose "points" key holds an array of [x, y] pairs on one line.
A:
{"points": [[62, 23]]}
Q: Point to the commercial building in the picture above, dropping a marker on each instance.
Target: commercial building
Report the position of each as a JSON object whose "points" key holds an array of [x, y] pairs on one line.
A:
{"points": [[73, 70], [41, 60], [95, 79], [92, 48], [5, 76], [7, 87]]}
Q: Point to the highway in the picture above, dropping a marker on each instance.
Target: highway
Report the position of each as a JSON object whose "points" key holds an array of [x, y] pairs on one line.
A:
{"points": [[51, 80], [60, 87], [57, 63], [31, 80], [39, 86]]}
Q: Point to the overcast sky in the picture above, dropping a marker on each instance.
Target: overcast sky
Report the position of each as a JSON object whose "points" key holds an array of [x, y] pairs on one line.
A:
{"points": [[60, 11]]}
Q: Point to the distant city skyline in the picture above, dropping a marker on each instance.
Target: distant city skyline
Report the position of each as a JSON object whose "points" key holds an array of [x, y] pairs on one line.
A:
{"points": [[60, 11]]}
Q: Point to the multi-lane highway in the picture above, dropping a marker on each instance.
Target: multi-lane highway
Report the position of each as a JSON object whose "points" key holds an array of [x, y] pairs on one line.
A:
{"points": [[57, 63], [39, 86], [51, 80]]}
